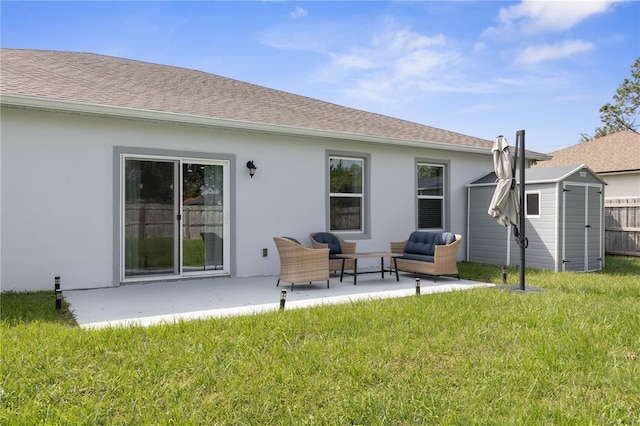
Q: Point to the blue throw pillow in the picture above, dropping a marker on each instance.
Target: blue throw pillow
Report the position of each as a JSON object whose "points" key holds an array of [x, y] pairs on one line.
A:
{"points": [[447, 238], [331, 240], [292, 239]]}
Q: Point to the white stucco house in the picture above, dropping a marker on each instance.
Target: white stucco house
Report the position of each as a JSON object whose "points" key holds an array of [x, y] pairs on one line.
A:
{"points": [[615, 157], [616, 160], [116, 171]]}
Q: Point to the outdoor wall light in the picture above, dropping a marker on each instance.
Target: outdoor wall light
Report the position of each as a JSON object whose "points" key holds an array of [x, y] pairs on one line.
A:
{"points": [[252, 168]]}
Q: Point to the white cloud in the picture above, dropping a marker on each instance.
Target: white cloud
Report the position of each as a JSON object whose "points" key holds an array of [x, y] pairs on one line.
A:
{"points": [[479, 46], [299, 12], [393, 64], [376, 87], [478, 108], [421, 62], [402, 41], [404, 52], [399, 67], [540, 53], [535, 16], [353, 62]]}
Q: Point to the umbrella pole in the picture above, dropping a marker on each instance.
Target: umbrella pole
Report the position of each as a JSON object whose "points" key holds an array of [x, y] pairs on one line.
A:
{"points": [[522, 239]]}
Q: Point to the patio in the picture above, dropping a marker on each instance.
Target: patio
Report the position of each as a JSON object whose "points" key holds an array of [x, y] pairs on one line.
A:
{"points": [[168, 302]]}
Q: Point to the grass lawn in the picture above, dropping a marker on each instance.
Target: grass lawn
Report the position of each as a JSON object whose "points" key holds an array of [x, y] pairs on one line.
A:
{"points": [[570, 355], [158, 252]]}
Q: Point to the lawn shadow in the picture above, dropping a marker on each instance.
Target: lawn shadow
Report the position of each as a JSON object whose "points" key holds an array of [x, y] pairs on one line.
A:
{"points": [[516, 289], [33, 306]]}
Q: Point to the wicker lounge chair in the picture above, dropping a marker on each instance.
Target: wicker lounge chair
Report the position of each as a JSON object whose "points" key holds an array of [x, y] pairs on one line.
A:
{"points": [[432, 254], [300, 264], [336, 246]]}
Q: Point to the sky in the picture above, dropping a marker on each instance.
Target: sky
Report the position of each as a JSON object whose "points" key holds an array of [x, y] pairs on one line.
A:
{"points": [[481, 68]]}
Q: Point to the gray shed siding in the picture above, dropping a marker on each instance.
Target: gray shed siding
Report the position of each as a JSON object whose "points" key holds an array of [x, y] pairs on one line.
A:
{"points": [[584, 177], [487, 239], [541, 231], [581, 225]]}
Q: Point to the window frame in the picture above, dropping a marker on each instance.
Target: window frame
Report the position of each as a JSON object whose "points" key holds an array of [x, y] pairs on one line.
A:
{"points": [[120, 155], [445, 197], [526, 204], [365, 219]]}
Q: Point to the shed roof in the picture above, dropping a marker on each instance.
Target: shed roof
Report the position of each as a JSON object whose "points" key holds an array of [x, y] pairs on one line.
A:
{"points": [[81, 80], [539, 175], [617, 152]]}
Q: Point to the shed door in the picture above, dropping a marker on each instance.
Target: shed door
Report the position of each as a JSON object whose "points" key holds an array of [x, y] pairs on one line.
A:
{"points": [[582, 225], [574, 238], [594, 228]]}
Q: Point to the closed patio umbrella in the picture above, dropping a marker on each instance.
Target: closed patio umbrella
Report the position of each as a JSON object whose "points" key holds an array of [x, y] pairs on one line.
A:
{"points": [[504, 205]]}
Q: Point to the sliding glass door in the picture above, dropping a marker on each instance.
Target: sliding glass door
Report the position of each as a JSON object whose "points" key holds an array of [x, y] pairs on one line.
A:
{"points": [[150, 229], [175, 215], [203, 213]]}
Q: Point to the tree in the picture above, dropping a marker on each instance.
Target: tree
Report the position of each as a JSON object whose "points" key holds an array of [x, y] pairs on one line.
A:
{"points": [[622, 114]]}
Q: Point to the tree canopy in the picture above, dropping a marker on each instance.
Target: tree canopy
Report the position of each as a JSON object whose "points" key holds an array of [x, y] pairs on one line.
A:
{"points": [[622, 113]]}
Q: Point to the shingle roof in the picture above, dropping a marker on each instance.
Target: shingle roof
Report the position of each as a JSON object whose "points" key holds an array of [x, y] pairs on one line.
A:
{"points": [[616, 152], [537, 175], [116, 82]]}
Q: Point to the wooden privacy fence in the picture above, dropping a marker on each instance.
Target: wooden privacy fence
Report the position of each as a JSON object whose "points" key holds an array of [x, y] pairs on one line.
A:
{"points": [[622, 226], [151, 220]]}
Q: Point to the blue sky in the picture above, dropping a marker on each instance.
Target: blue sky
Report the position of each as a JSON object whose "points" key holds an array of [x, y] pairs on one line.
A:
{"points": [[480, 68]]}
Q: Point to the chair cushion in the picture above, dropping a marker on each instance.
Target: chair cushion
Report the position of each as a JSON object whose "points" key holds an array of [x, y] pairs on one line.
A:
{"points": [[424, 243], [419, 257], [331, 240], [292, 239], [421, 243]]}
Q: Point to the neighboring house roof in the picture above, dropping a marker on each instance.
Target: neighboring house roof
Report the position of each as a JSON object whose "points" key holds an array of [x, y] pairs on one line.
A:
{"points": [[540, 175], [617, 152], [87, 83]]}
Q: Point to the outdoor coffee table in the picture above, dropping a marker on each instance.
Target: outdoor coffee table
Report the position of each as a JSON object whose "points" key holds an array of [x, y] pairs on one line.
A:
{"points": [[356, 256]]}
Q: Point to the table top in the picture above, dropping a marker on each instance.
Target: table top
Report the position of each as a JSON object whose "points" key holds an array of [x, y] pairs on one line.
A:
{"points": [[367, 255]]}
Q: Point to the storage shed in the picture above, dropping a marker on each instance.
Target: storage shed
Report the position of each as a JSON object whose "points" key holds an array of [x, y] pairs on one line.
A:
{"points": [[564, 220]]}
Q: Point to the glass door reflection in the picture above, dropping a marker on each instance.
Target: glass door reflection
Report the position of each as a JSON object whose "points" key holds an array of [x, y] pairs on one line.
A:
{"points": [[149, 218], [203, 217]]}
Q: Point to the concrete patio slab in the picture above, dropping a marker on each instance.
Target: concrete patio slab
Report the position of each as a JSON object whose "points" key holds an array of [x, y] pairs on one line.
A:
{"points": [[168, 302]]}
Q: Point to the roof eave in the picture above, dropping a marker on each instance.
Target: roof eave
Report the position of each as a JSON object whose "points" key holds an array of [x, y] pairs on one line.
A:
{"points": [[152, 115]]}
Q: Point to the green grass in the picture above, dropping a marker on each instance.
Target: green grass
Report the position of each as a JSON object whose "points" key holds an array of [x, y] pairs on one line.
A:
{"points": [[193, 252], [568, 356], [158, 252], [33, 306]]}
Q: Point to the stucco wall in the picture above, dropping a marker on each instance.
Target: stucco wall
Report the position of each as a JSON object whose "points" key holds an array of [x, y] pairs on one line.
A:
{"points": [[58, 192], [56, 201], [622, 185]]}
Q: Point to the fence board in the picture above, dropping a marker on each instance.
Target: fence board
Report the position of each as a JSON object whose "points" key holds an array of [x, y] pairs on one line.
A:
{"points": [[622, 226], [150, 220]]}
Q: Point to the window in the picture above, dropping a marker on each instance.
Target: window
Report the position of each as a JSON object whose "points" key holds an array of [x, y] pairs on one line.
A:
{"points": [[346, 193], [532, 203], [431, 196]]}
